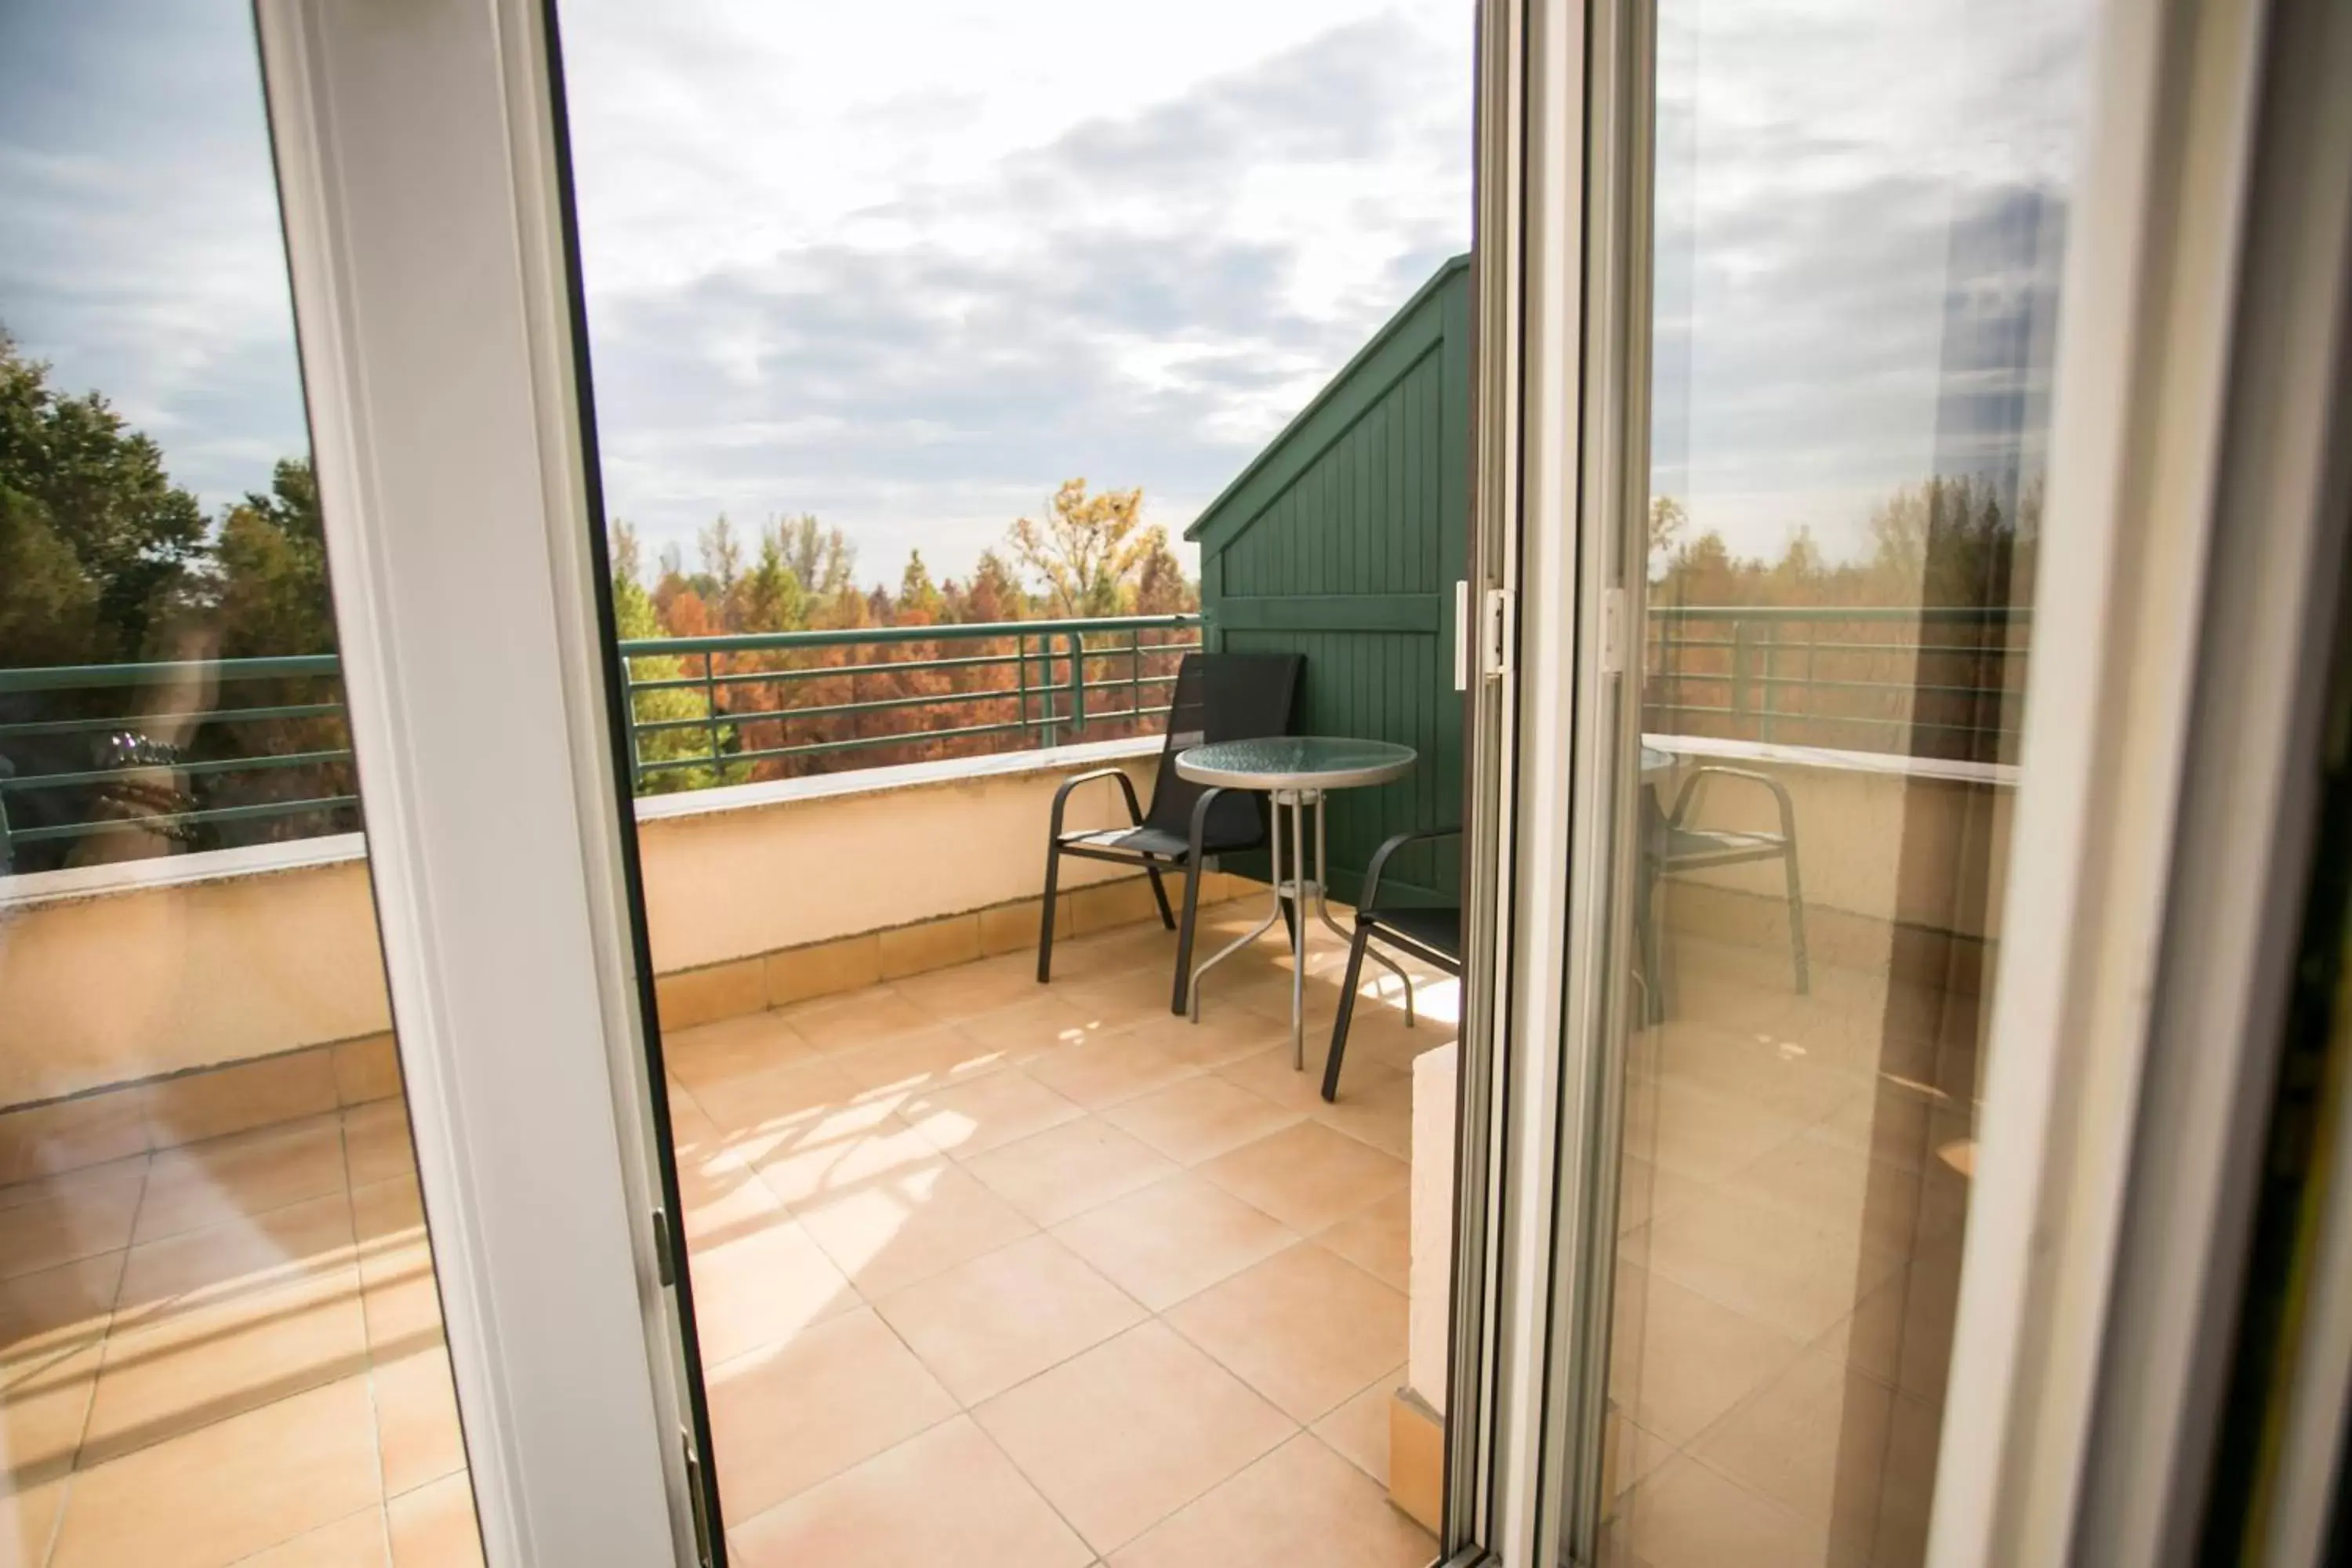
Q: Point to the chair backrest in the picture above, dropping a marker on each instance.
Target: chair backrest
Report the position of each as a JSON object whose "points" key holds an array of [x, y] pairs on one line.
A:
{"points": [[1222, 697]]}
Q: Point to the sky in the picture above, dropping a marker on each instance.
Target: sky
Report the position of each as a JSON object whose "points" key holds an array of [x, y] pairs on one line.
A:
{"points": [[908, 268]]}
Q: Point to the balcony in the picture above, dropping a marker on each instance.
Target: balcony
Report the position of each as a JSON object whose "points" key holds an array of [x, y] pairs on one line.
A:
{"points": [[947, 1218]]}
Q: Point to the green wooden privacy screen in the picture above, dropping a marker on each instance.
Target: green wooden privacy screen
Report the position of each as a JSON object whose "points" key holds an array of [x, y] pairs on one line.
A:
{"points": [[1342, 542]]}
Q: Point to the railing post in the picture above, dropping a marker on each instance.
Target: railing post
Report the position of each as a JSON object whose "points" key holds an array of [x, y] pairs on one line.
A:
{"points": [[629, 707], [710, 707], [1135, 678], [1740, 696], [7, 855], [1764, 686], [1077, 684]]}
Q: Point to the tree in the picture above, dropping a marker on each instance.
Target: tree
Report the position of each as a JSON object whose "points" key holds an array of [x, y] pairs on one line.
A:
{"points": [[821, 559], [723, 561], [772, 595], [1161, 586], [1086, 548], [272, 560], [919, 601], [634, 618], [82, 495]]}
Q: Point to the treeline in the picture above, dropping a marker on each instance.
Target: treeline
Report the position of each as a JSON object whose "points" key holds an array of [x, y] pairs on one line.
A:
{"points": [[1892, 680], [704, 718]]}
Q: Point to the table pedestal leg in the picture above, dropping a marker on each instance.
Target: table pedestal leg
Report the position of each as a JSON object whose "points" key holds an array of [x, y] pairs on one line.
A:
{"points": [[1273, 826]]}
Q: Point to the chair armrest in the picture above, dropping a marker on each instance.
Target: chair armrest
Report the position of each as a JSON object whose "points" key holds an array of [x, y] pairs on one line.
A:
{"points": [[1686, 799], [1200, 827], [1125, 787], [1380, 860]]}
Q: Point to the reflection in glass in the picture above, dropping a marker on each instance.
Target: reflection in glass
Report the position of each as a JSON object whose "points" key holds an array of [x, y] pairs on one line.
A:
{"points": [[1859, 212], [219, 1334]]}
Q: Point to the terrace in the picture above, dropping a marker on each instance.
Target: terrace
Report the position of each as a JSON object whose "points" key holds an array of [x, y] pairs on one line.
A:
{"points": [[943, 1218]]}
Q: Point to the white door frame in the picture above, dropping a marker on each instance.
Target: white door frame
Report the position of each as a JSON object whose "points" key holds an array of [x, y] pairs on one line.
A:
{"points": [[418, 175], [2143, 366]]}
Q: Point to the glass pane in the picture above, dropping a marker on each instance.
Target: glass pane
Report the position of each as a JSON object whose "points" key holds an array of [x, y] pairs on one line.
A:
{"points": [[219, 1332], [1861, 212], [925, 400]]}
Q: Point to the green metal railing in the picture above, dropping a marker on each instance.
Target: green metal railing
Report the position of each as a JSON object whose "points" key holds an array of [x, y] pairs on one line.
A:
{"points": [[1935, 680], [757, 697]]}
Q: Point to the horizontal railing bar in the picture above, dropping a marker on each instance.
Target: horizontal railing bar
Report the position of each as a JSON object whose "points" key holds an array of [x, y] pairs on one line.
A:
{"points": [[1934, 613], [132, 722], [180, 818], [80, 677], [745, 642], [813, 748], [131, 771]]}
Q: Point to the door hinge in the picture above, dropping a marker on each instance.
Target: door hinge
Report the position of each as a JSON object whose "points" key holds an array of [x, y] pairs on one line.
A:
{"points": [[696, 1501], [665, 1265], [1612, 631], [1495, 612]]}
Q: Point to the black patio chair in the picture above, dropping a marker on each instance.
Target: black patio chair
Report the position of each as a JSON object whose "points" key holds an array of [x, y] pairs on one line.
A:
{"points": [[1674, 843], [1431, 932], [1216, 697]]}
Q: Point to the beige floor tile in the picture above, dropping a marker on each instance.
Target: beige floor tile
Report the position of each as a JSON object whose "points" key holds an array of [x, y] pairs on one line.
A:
{"points": [[888, 1234], [418, 1437], [947, 1496], [1130, 999], [1199, 1117], [1764, 1262], [1688, 1516], [1835, 1447], [761, 1287], [57, 1310], [227, 1179], [1173, 1239], [213, 1358], [1678, 1361], [32, 1189], [965, 989], [928, 1058], [1121, 1436], [402, 1302], [1056, 1175], [377, 1144], [985, 1325], [358, 1542], [722, 1197], [1634, 1455], [764, 1102], [1380, 1114], [787, 1416], [434, 1526], [840, 1151], [752, 1042], [61, 1220], [1378, 1241], [1104, 1070], [856, 1019], [968, 1119], [227, 1490], [1302, 1506], [28, 1519], [1902, 1331], [1646, 1192], [1697, 1134], [387, 1212], [1845, 1192], [1215, 1041], [1307, 1177], [1357, 1431], [44, 1409], [1035, 1026], [237, 1259], [1768, 1073], [1304, 1328], [1270, 1075]]}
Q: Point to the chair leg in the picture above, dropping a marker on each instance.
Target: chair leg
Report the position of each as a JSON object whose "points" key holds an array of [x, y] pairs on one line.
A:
{"points": [[1347, 1015], [1797, 922], [1046, 922], [1184, 940], [1159, 894]]}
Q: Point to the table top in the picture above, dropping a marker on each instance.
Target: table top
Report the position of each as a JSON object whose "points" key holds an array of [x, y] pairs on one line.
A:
{"points": [[1296, 761], [1656, 762]]}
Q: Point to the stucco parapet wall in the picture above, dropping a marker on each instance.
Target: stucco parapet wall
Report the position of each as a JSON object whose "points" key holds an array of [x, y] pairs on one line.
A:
{"points": [[35, 889]]}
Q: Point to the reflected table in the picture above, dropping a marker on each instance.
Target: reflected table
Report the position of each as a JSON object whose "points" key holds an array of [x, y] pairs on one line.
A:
{"points": [[1296, 772]]}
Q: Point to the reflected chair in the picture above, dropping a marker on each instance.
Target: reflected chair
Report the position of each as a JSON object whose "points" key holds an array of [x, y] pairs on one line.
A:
{"points": [[1217, 696], [1672, 844], [1431, 932]]}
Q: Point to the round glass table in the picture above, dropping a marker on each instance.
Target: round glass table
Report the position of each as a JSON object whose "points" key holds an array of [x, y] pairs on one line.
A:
{"points": [[1296, 770]]}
